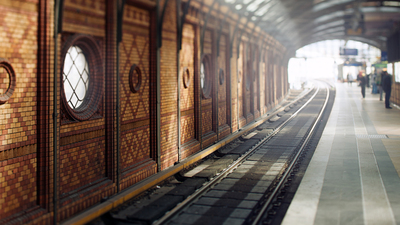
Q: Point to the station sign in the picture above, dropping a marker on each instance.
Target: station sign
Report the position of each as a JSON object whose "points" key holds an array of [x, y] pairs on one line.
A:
{"points": [[384, 56], [348, 51]]}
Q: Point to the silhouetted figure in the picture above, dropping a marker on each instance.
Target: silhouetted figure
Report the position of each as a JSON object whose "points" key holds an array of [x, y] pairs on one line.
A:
{"points": [[363, 82], [349, 79], [374, 86], [387, 87], [379, 84]]}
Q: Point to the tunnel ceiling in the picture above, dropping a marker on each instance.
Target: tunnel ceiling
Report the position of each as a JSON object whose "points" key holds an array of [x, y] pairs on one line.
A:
{"points": [[296, 23]]}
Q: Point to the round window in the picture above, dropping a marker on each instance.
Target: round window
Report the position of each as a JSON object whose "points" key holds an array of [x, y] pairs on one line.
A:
{"points": [[221, 77], [202, 75], [186, 77], [205, 76], [7, 80], [75, 77], [135, 78], [248, 80], [82, 77]]}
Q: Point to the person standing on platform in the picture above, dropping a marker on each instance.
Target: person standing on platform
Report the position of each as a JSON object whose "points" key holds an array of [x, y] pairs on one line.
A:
{"points": [[363, 82], [387, 87], [373, 81], [349, 79], [379, 84]]}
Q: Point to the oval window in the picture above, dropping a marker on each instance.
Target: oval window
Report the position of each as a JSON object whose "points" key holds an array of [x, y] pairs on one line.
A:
{"points": [[82, 77], [7, 80], [248, 80], [186, 77], [135, 78], [206, 76], [202, 75], [221, 77], [75, 77]]}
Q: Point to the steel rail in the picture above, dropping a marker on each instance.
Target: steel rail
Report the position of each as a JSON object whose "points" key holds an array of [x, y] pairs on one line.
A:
{"points": [[229, 169], [290, 167]]}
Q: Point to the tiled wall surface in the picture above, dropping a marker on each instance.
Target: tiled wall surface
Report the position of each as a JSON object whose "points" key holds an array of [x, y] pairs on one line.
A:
{"points": [[18, 152], [85, 156]]}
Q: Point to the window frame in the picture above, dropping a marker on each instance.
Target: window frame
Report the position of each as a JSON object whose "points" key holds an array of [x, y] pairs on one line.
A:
{"points": [[206, 90], [12, 81], [135, 73], [92, 52]]}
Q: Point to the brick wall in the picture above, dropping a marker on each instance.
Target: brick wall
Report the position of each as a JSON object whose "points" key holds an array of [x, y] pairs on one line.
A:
{"points": [[188, 97], [234, 84], [18, 164], [241, 85], [87, 148], [224, 85], [135, 73], [169, 93]]}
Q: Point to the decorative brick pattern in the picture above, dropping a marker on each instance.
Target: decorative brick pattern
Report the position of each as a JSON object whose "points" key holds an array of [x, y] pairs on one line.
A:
{"points": [[18, 165], [208, 104], [18, 44], [256, 81], [85, 16], [135, 145], [189, 148], [17, 185], [169, 87], [187, 128], [134, 49], [135, 107], [82, 151], [207, 117], [187, 95], [223, 90], [81, 164], [140, 172], [87, 150]]}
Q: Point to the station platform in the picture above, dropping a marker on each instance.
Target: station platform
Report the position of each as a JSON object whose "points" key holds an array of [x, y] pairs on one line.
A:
{"points": [[353, 177]]}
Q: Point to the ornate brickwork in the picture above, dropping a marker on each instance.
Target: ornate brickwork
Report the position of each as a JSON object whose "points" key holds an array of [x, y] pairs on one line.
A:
{"points": [[17, 185], [18, 165], [82, 163], [134, 49], [207, 104], [222, 87], [135, 110], [87, 150], [135, 146], [240, 83], [85, 16], [169, 87], [187, 103], [18, 44]]}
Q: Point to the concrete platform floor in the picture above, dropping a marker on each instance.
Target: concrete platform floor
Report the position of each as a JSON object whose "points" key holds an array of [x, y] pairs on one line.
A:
{"points": [[353, 177]]}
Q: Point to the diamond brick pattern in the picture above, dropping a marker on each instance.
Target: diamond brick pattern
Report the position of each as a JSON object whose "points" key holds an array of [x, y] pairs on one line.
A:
{"points": [[187, 103], [18, 41], [135, 146], [82, 163], [17, 185], [18, 45], [135, 49], [87, 149]]}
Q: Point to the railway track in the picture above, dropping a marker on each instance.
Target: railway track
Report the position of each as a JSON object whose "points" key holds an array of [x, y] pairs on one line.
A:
{"points": [[248, 190]]}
